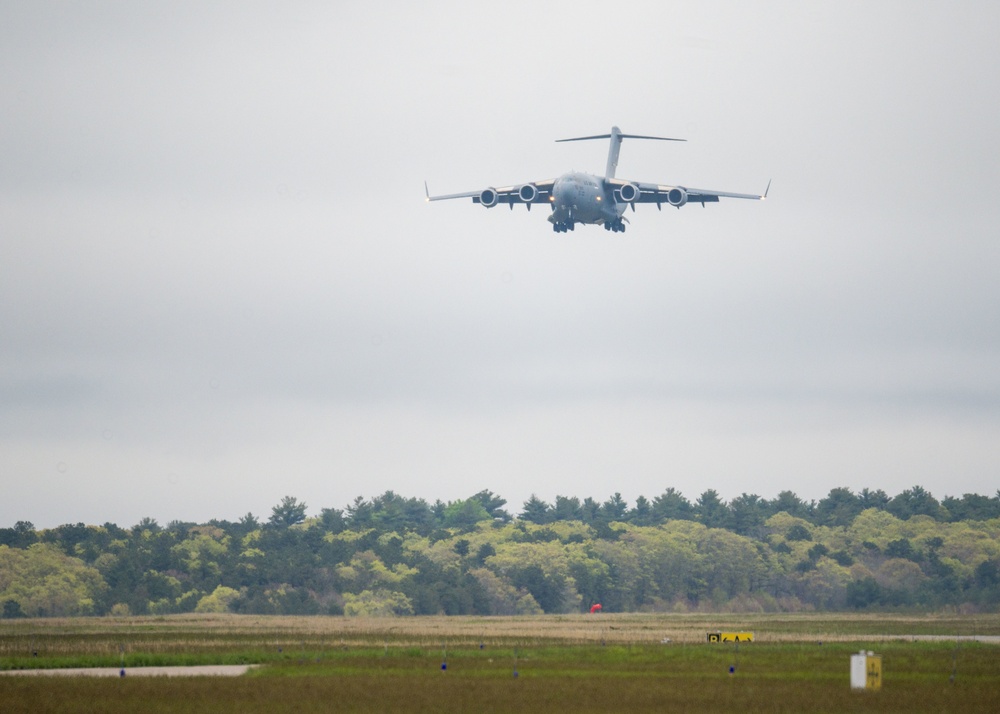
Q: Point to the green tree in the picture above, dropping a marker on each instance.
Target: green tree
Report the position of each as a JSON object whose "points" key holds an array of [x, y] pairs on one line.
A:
{"points": [[873, 499], [377, 603], [567, 509], [535, 510], [667, 563], [287, 513], [839, 508], [900, 548], [789, 503], [202, 557], [711, 511], [627, 586], [44, 581], [392, 512], [818, 551], [332, 520], [147, 524], [824, 585], [540, 567], [672, 505], [20, 536], [972, 507], [70, 537], [465, 514], [12, 610], [642, 513], [366, 571], [501, 597], [864, 593], [915, 502], [590, 510], [798, 532], [614, 509], [731, 565], [493, 505], [219, 601], [747, 515], [574, 557], [546, 589], [360, 514]]}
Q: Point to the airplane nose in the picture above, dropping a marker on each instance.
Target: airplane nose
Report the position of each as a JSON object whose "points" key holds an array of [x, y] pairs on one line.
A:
{"points": [[563, 191]]}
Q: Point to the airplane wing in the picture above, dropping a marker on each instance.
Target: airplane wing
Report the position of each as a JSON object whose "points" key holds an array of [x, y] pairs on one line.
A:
{"points": [[674, 195], [527, 193]]}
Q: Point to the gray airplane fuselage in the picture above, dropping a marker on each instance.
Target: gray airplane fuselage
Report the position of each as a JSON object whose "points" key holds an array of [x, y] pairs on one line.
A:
{"points": [[581, 198]]}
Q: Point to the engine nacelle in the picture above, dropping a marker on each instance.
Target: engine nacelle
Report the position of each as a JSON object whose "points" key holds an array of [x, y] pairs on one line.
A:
{"points": [[628, 192], [528, 193], [677, 197], [489, 197]]}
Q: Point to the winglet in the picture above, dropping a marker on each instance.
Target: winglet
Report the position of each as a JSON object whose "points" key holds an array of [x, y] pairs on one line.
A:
{"points": [[766, 190], [427, 192]]}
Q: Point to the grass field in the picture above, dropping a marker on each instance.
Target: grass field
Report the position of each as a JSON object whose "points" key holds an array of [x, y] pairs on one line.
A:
{"points": [[571, 663]]}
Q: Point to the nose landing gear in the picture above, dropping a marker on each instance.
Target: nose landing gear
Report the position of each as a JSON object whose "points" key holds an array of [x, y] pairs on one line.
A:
{"points": [[560, 227], [615, 226]]}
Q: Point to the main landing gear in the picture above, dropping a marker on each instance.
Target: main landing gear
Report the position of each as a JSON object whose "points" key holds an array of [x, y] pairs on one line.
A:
{"points": [[560, 227], [616, 226]]}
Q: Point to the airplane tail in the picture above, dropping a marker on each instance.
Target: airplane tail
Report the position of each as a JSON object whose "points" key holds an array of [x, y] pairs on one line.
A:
{"points": [[616, 137]]}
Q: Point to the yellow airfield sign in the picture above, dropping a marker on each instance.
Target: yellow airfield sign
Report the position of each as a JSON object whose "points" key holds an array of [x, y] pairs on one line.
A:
{"points": [[873, 673], [730, 637]]}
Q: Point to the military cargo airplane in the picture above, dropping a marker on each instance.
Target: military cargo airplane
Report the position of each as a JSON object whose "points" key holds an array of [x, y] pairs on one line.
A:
{"points": [[602, 200]]}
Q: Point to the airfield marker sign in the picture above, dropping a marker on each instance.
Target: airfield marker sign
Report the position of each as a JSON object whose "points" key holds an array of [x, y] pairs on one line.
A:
{"points": [[866, 671], [730, 637]]}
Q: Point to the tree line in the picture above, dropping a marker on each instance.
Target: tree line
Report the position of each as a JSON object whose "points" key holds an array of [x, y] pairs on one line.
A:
{"points": [[396, 555]]}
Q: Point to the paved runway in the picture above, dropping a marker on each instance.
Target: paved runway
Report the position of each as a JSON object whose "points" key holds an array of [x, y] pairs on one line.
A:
{"points": [[210, 670]]}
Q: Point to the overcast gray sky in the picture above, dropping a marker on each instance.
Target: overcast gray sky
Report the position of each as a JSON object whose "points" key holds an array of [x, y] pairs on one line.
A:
{"points": [[220, 283]]}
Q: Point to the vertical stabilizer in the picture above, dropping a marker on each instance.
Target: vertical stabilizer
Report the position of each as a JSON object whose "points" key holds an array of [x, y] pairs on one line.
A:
{"points": [[613, 149]]}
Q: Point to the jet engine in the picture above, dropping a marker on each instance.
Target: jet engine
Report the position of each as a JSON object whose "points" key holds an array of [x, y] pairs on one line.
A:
{"points": [[489, 197], [628, 192], [677, 197], [528, 193]]}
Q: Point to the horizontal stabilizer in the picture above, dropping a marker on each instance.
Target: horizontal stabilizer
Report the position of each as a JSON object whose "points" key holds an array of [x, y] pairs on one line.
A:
{"points": [[616, 137], [624, 136]]}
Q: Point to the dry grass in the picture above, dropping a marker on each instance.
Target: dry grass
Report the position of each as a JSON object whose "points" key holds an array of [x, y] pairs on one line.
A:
{"points": [[208, 632]]}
